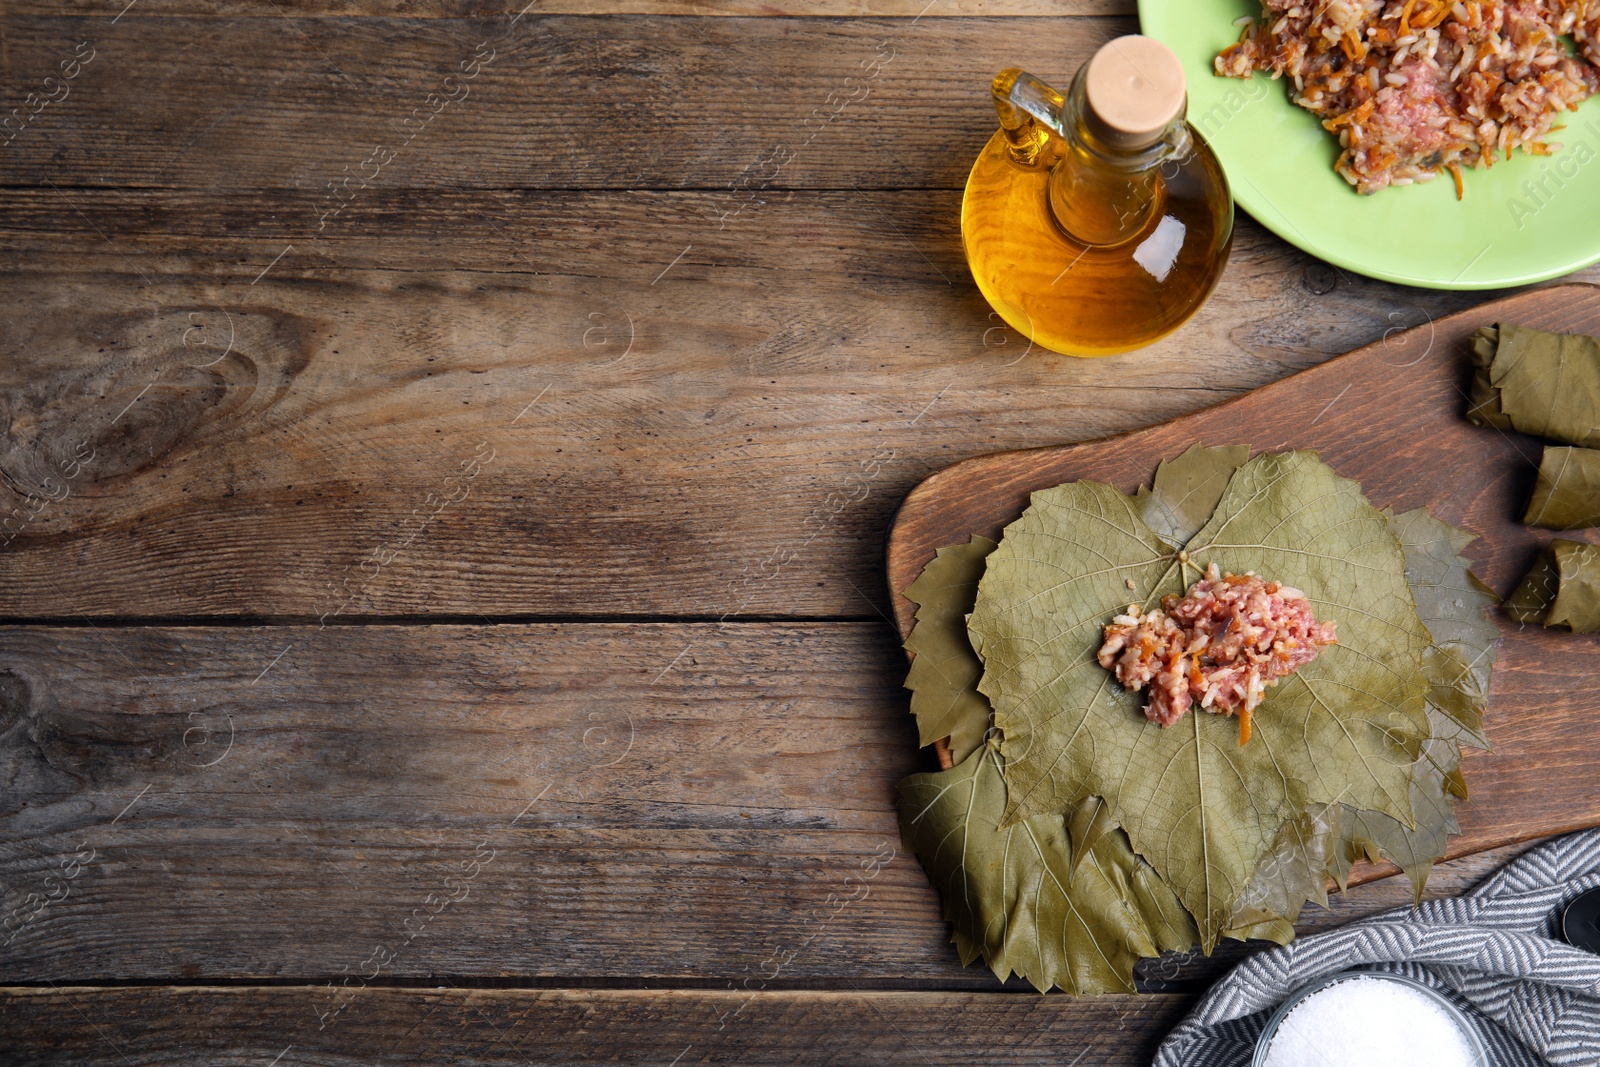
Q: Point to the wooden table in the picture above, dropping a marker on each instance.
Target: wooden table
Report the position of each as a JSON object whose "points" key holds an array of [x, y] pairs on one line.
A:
{"points": [[447, 451]]}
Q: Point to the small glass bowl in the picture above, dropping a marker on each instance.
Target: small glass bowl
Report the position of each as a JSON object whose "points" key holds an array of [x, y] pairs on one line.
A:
{"points": [[1264, 1042]]}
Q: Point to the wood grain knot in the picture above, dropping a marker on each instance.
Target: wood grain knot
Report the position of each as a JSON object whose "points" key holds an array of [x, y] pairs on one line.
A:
{"points": [[141, 387], [16, 699], [25, 771]]}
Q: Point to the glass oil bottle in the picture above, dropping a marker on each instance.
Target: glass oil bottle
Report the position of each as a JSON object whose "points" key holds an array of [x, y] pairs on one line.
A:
{"points": [[1100, 221]]}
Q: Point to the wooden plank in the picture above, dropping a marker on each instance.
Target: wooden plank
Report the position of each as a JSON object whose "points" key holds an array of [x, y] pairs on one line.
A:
{"points": [[595, 800], [1400, 430], [183, 1026], [683, 419], [488, 12], [579, 802], [558, 101]]}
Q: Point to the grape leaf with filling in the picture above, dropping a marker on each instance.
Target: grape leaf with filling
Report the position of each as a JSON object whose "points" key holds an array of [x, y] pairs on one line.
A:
{"points": [[1200, 807], [1325, 839]]}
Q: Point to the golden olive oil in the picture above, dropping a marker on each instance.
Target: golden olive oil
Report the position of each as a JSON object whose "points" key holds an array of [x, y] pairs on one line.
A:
{"points": [[1080, 236]]}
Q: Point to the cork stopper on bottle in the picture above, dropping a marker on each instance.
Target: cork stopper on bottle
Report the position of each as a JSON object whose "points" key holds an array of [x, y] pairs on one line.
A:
{"points": [[1133, 89]]}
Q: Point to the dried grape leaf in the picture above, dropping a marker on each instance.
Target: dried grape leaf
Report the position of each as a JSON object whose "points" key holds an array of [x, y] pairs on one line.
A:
{"points": [[1566, 495], [944, 671], [1086, 825], [1454, 606], [1295, 871], [1091, 820], [1327, 838], [1545, 384], [1185, 491], [1562, 588], [1200, 807], [1414, 850], [1278, 931], [1026, 897]]}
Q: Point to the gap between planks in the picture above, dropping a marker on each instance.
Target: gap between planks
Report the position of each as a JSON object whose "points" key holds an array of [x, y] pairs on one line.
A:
{"points": [[180, 622], [663, 9], [291, 1027]]}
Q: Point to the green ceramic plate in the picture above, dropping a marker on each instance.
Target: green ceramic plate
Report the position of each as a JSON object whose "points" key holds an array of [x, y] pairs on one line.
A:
{"points": [[1523, 221]]}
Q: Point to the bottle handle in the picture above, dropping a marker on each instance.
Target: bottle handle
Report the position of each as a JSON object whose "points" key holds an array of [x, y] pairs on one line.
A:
{"points": [[1030, 114], [1033, 118]]}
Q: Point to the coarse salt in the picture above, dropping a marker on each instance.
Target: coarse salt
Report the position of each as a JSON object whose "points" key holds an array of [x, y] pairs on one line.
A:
{"points": [[1357, 1022]]}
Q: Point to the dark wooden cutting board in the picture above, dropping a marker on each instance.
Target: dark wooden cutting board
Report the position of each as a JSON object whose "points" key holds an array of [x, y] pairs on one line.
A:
{"points": [[1391, 416]]}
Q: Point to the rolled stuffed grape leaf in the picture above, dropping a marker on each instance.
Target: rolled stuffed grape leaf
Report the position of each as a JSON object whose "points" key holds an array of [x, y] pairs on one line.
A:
{"points": [[1562, 588], [1201, 808], [1483, 402], [1545, 384], [1566, 495], [944, 670], [1027, 897]]}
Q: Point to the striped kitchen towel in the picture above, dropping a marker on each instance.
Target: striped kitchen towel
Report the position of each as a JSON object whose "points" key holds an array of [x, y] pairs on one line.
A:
{"points": [[1497, 949]]}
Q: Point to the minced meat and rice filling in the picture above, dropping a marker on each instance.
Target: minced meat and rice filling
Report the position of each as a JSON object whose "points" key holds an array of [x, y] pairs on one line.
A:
{"points": [[1413, 87], [1222, 644]]}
